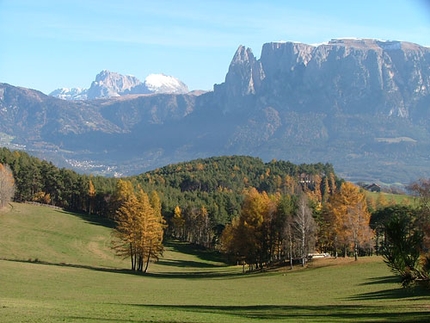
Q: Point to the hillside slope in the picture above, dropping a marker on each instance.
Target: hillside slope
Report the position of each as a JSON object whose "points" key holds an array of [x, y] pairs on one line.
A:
{"points": [[40, 233]]}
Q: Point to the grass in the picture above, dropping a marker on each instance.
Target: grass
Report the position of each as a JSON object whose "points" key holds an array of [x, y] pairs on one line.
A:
{"points": [[76, 278], [399, 199]]}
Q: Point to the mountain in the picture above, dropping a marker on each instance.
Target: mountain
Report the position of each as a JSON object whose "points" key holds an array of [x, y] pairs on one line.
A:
{"points": [[70, 93], [361, 104], [160, 83], [110, 84]]}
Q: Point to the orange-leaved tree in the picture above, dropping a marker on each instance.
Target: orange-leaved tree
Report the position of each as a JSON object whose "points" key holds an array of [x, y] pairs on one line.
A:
{"points": [[348, 219], [139, 228], [249, 236]]}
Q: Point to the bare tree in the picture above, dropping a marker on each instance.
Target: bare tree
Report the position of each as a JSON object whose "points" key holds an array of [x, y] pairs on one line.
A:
{"points": [[7, 185], [305, 227]]}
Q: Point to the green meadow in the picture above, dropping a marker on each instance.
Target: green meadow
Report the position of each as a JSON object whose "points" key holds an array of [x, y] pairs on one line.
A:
{"points": [[58, 267]]}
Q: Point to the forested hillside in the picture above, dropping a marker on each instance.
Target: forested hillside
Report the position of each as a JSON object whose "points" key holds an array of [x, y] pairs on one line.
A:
{"points": [[192, 201], [215, 183], [254, 212], [218, 183]]}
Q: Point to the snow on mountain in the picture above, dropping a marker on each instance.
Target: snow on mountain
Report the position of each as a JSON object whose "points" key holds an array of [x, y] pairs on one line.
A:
{"points": [[70, 93], [110, 84], [160, 83]]}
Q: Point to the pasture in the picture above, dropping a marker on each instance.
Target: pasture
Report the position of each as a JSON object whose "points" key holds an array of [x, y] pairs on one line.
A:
{"points": [[58, 267]]}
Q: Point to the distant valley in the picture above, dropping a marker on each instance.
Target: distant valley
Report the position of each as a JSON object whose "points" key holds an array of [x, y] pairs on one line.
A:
{"points": [[362, 105]]}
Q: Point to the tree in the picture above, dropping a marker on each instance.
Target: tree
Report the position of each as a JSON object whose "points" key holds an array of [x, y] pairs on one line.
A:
{"points": [[406, 232], [7, 185], [178, 223], [402, 247], [151, 224], [138, 232], [251, 237], [348, 219], [243, 237], [421, 188], [91, 196], [285, 209], [305, 228]]}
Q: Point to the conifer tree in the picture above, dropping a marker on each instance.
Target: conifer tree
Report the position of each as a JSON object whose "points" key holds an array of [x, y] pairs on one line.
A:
{"points": [[178, 223], [139, 229], [349, 218]]}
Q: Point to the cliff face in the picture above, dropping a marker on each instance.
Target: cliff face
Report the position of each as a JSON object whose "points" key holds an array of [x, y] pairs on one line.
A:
{"points": [[342, 76], [362, 105]]}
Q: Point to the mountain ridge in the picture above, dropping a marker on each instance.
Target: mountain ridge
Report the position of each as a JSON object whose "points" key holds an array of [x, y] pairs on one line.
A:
{"points": [[347, 102], [109, 84]]}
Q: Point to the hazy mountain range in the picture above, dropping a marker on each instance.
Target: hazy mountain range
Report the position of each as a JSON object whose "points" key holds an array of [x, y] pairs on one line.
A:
{"points": [[361, 104], [111, 84]]}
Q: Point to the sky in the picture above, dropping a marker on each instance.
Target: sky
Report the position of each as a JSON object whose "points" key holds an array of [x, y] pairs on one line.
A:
{"points": [[46, 45]]}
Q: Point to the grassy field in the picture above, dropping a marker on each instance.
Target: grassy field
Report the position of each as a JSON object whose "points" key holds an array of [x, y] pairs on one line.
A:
{"points": [[58, 267]]}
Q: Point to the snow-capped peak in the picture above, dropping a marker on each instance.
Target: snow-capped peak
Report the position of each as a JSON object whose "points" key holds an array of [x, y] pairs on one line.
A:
{"points": [[111, 84], [70, 93], [160, 83]]}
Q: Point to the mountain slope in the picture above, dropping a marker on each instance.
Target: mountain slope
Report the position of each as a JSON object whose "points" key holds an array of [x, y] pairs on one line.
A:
{"points": [[362, 105]]}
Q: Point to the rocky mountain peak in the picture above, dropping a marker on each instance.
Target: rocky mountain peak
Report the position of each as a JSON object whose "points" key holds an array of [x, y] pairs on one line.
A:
{"points": [[245, 73], [344, 76], [282, 57], [109, 84]]}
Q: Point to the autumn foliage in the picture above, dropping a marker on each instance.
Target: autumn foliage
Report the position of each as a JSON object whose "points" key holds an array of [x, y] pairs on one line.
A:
{"points": [[138, 233], [347, 221], [7, 185]]}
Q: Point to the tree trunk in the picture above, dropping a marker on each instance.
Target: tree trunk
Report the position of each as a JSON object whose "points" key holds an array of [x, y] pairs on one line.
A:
{"points": [[147, 261], [133, 262], [355, 251]]}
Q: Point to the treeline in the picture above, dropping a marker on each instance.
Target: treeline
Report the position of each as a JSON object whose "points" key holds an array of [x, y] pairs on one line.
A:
{"points": [[40, 181], [217, 184]]}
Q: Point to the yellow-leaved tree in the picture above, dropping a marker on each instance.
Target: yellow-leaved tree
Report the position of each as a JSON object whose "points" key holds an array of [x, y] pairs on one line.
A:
{"points": [[249, 235], [178, 223], [7, 185], [139, 228], [348, 219], [91, 196]]}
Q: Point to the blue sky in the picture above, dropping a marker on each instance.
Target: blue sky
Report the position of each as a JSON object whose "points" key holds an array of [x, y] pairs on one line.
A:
{"points": [[49, 44]]}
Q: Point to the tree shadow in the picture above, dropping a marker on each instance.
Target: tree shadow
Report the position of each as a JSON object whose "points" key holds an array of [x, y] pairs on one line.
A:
{"points": [[382, 280], [174, 274], [63, 264], [413, 293], [295, 313], [194, 250], [91, 219], [185, 263]]}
